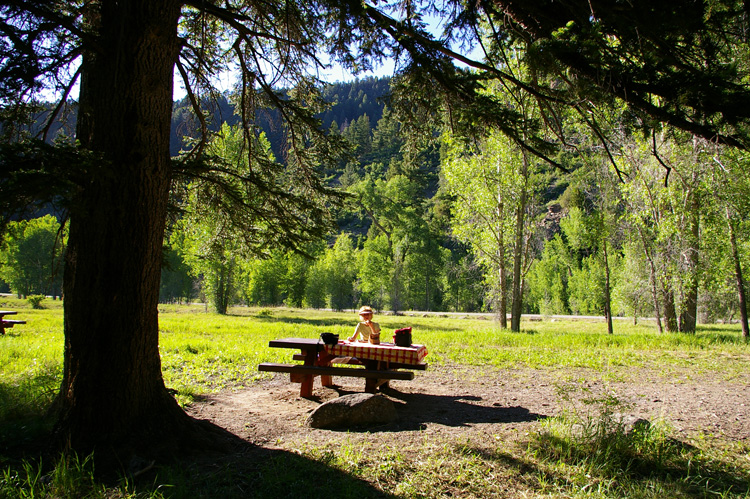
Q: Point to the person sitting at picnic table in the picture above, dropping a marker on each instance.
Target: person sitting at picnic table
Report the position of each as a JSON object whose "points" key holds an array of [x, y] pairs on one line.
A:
{"points": [[368, 330]]}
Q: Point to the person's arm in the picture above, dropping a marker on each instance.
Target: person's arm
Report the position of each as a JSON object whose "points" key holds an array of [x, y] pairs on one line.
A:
{"points": [[354, 336]]}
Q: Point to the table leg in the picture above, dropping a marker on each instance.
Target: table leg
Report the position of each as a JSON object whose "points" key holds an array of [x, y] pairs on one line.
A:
{"points": [[384, 366], [324, 360], [372, 384], [307, 380], [306, 388]]}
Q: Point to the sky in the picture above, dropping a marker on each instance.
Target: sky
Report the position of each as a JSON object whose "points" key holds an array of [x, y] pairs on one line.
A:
{"points": [[336, 73]]}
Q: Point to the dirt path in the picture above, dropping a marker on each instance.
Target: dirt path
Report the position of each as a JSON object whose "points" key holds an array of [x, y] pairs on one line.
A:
{"points": [[458, 403]]}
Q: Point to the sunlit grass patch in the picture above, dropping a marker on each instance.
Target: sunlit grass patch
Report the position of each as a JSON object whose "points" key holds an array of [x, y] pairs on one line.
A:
{"points": [[30, 372], [203, 352], [588, 453], [593, 449], [431, 468]]}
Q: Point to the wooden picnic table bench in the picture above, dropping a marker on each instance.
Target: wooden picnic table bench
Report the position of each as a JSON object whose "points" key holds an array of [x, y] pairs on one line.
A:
{"points": [[8, 323], [378, 364]]}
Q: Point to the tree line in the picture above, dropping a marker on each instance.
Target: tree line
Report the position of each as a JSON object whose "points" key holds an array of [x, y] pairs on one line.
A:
{"points": [[457, 225], [481, 226]]}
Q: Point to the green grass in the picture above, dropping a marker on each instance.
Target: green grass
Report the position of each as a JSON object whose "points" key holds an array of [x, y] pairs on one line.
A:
{"points": [[582, 453], [203, 352], [594, 451], [30, 369]]}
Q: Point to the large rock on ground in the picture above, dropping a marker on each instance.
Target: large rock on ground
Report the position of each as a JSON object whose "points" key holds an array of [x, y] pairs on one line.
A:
{"points": [[358, 409]]}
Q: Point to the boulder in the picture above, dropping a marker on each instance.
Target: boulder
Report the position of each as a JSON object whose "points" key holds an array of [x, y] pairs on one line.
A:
{"points": [[358, 409], [633, 424]]}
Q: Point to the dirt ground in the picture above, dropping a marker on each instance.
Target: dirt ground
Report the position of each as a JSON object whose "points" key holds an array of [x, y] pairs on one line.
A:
{"points": [[457, 403]]}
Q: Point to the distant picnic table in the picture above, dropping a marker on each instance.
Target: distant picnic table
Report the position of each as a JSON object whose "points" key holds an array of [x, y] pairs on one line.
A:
{"points": [[7, 323], [381, 363]]}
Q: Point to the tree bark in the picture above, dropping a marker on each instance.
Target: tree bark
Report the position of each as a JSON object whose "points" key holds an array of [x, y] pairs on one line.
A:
{"points": [[503, 299], [670, 312], [607, 290], [517, 297], [113, 394], [503, 311], [739, 280], [689, 311], [503, 285], [653, 279], [223, 286]]}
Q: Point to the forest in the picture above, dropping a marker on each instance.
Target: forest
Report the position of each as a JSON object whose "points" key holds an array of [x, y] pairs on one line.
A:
{"points": [[647, 227]]}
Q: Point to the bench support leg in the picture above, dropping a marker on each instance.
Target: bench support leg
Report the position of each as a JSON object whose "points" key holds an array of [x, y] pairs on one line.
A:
{"points": [[306, 389], [306, 380], [320, 365], [372, 384]]}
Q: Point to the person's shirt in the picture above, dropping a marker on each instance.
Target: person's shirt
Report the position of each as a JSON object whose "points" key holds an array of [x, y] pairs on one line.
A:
{"points": [[364, 330]]}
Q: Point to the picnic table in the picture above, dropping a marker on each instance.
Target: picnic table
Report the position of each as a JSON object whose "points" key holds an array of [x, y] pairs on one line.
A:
{"points": [[6, 323], [378, 364]]}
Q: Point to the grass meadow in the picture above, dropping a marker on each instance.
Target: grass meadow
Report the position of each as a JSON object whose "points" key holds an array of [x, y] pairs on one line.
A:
{"points": [[573, 455]]}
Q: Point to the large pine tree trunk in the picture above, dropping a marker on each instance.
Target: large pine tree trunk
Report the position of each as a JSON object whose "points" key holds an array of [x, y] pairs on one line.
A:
{"points": [[113, 394]]}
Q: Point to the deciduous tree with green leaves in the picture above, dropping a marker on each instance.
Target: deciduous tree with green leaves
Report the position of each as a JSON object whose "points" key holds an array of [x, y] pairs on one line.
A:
{"points": [[730, 186], [397, 236], [31, 256], [664, 195], [494, 187], [212, 210]]}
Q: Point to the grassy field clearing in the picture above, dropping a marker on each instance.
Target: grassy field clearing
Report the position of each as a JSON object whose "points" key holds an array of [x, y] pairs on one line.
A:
{"points": [[203, 353]]}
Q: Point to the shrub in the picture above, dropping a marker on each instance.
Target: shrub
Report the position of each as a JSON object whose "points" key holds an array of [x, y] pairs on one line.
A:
{"points": [[35, 301]]}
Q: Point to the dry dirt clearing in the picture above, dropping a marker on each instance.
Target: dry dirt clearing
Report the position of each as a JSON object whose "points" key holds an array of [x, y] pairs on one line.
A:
{"points": [[456, 403]]}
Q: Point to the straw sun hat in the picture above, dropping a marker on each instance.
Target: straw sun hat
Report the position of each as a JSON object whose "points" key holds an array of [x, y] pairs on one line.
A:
{"points": [[365, 310]]}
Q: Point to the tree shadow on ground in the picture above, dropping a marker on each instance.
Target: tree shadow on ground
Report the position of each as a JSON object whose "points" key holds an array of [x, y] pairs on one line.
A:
{"points": [[227, 467], [416, 410], [258, 472]]}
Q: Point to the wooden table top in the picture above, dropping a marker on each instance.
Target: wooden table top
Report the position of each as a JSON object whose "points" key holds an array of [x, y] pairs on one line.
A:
{"points": [[301, 343]]}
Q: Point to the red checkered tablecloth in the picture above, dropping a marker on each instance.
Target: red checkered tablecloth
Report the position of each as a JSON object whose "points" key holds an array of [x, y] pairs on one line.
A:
{"points": [[384, 352]]}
